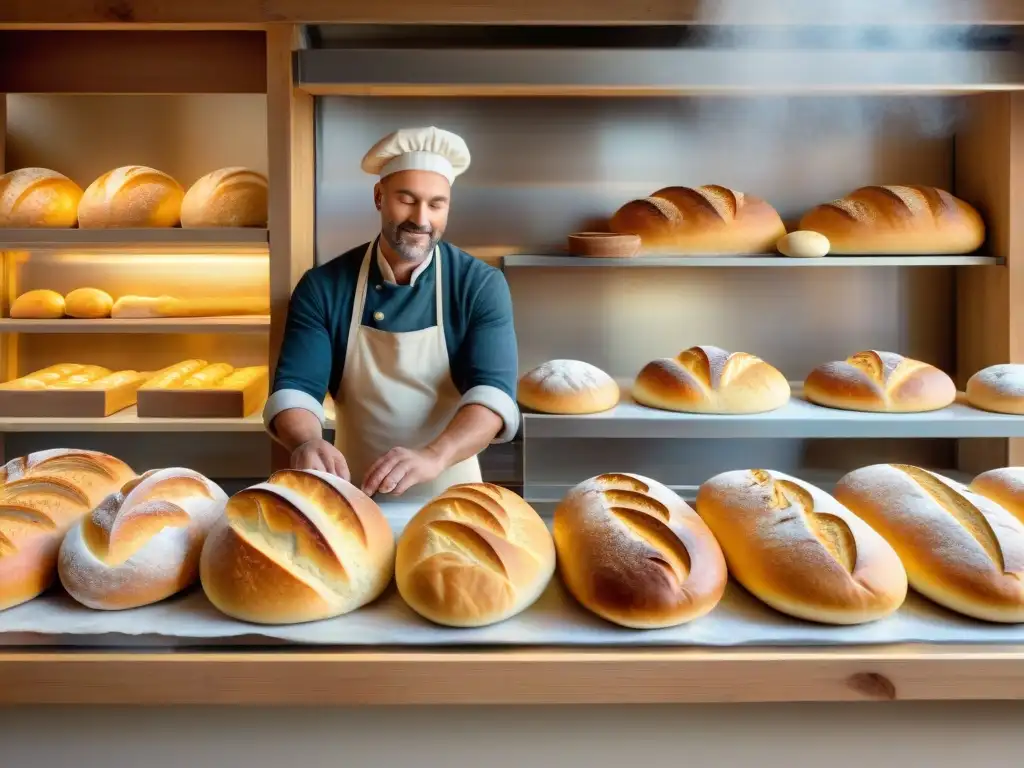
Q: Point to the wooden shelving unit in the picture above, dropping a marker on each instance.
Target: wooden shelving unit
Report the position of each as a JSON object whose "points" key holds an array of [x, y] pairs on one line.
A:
{"points": [[242, 324]]}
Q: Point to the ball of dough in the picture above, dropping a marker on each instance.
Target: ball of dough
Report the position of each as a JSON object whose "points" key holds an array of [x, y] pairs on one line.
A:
{"points": [[803, 244]]}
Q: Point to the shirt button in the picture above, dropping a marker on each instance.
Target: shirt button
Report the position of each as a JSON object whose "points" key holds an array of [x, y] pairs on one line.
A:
{"points": [[378, 287], [378, 316]]}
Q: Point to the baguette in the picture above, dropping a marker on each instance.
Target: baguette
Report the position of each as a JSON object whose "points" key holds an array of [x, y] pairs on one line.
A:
{"points": [[241, 378], [208, 377], [170, 306], [882, 382], [172, 376]]}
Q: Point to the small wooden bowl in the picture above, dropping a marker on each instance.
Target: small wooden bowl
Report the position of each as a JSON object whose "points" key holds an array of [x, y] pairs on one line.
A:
{"points": [[604, 245]]}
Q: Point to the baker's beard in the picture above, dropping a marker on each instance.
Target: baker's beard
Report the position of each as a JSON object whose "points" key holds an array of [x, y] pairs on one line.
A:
{"points": [[404, 242]]}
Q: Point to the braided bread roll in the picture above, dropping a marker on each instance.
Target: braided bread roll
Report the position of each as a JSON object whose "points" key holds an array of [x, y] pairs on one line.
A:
{"points": [[882, 382], [43, 495], [303, 546], [706, 220], [475, 555], [633, 552], [897, 220], [799, 550], [142, 543], [706, 379]]}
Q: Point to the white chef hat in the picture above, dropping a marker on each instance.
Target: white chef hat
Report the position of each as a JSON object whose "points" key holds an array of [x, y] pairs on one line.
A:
{"points": [[418, 149]]}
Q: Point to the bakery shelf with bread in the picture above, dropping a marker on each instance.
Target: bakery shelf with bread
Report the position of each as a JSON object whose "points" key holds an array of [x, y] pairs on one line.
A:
{"points": [[561, 261], [200, 389]]}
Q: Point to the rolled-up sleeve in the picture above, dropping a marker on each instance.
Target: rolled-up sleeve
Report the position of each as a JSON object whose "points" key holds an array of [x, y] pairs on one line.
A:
{"points": [[303, 368], [487, 364]]}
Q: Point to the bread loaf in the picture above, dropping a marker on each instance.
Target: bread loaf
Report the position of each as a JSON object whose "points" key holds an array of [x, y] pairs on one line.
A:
{"points": [[567, 386], [960, 549], [40, 304], [44, 494], [38, 197], [897, 220], [131, 196], [705, 220], [633, 552], [169, 306], [1004, 486], [707, 379], [61, 376], [998, 388], [799, 550], [172, 376], [88, 303], [303, 546], [880, 381], [240, 378], [142, 543], [228, 197], [475, 555]]}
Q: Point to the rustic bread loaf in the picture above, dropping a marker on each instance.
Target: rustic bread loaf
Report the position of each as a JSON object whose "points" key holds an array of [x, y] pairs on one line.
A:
{"points": [[227, 197], [998, 388], [131, 196], [567, 387], [38, 197], [38, 304], [88, 303], [1004, 486], [169, 306], [882, 382]]}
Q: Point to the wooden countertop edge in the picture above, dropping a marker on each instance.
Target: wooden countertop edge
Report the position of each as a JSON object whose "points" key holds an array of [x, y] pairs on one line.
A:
{"points": [[511, 677]]}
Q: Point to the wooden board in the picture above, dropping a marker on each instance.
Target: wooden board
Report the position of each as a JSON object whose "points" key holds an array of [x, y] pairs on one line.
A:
{"points": [[70, 403]]}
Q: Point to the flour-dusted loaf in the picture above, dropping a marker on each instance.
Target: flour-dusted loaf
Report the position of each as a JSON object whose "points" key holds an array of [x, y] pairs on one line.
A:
{"points": [[961, 549], [800, 550], [998, 388], [1005, 486], [897, 220], [141, 544], [38, 304], [131, 196], [88, 303], [303, 546], [567, 387], [880, 381], [227, 197], [43, 495], [706, 220], [476, 554], [633, 552], [38, 197], [706, 379]]}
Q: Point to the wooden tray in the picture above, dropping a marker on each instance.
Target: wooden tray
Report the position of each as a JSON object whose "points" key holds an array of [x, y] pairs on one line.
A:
{"points": [[68, 403], [204, 403]]}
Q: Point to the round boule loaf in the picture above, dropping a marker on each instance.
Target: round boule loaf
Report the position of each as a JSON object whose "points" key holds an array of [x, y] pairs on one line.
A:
{"points": [[38, 197], [88, 303], [38, 304], [227, 197], [883, 382], [568, 387], [998, 388], [131, 196]]}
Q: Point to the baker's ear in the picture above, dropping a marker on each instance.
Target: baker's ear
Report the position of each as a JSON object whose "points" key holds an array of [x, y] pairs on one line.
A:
{"points": [[378, 195]]}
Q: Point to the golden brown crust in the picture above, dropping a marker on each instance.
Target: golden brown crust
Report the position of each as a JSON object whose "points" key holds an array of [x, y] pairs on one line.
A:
{"points": [[39, 304], [880, 382], [38, 197], [799, 550], [567, 387], [88, 303], [631, 551], [1004, 486], [998, 388], [227, 197], [131, 196]]}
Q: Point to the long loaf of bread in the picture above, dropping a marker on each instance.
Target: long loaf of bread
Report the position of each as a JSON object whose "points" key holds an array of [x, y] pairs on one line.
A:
{"points": [[170, 306]]}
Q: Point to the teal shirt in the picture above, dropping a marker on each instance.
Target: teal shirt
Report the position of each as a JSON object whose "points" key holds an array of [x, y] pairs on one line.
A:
{"points": [[478, 329]]}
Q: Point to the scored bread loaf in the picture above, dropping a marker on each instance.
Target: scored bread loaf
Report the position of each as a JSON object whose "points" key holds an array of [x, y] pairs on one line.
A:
{"points": [[633, 552], [43, 495], [228, 197], [142, 543], [881, 382], [39, 304], [960, 549], [897, 220], [998, 388], [799, 550], [88, 303], [474, 555], [710, 219], [303, 546], [706, 379], [1004, 486], [169, 306], [567, 386], [38, 197], [131, 196]]}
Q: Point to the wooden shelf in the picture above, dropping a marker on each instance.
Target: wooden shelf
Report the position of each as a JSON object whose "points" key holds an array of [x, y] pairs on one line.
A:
{"points": [[169, 238], [246, 324], [647, 262], [129, 421]]}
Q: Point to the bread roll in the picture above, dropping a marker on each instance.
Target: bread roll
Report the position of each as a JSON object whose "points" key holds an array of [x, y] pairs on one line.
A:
{"points": [[63, 376], [475, 555], [44, 494], [40, 304], [705, 220], [998, 388], [38, 197], [882, 382], [707, 379], [241, 378], [142, 543], [88, 303], [302, 546], [960, 549], [567, 386], [172, 376], [897, 220], [799, 550], [169, 306], [803, 245], [1004, 486], [634, 553], [229, 197], [131, 196], [208, 377]]}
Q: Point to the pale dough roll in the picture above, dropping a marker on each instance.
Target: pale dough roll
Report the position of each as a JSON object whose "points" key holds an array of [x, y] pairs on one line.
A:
{"points": [[40, 304], [961, 550], [706, 379], [631, 551], [799, 550], [474, 555], [38, 197], [998, 388], [880, 381], [88, 303], [228, 197], [131, 196], [567, 387]]}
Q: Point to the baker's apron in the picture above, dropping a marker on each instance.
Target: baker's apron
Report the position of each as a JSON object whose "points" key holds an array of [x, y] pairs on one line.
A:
{"points": [[397, 391]]}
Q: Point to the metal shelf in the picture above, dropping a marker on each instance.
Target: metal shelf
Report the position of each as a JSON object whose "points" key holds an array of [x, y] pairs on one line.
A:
{"points": [[160, 238], [239, 324], [641, 262]]}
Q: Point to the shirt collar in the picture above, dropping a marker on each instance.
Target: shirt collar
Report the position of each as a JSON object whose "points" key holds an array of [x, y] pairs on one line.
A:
{"points": [[389, 275]]}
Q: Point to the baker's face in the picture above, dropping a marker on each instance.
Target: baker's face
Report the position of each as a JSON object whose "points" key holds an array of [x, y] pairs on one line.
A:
{"points": [[413, 209]]}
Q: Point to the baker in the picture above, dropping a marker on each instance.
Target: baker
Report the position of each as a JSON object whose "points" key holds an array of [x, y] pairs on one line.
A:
{"points": [[412, 337]]}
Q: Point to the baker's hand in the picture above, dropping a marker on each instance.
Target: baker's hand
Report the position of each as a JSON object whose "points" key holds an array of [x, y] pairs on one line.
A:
{"points": [[399, 469], [320, 454]]}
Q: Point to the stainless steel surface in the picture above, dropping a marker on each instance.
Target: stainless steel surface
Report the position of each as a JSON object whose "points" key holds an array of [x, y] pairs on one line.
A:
{"points": [[523, 261]]}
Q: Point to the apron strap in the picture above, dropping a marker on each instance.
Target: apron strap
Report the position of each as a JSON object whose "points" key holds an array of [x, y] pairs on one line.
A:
{"points": [[360, 297]]}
